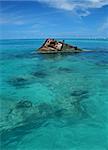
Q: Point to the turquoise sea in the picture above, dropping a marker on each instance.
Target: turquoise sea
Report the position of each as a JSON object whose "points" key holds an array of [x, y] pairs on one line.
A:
{"points": [[53, 102]]}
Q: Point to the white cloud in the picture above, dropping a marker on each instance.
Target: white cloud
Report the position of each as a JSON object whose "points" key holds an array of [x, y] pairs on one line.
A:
{"points": [[80, 7], [11, 21], [75, 5], [104, 26], [60, 4]]}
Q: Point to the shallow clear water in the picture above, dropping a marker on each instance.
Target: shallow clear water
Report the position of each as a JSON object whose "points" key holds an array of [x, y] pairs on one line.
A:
{"points": [[68, 94]]}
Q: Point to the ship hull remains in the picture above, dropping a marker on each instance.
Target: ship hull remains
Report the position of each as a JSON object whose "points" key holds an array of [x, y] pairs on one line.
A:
{"points": [[51, 46]]}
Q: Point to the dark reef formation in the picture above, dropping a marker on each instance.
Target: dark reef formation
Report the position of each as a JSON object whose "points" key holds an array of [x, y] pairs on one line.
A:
{"points": [[80, 94], [65, 70], [39, 74], [24, 115], [18, 81]]}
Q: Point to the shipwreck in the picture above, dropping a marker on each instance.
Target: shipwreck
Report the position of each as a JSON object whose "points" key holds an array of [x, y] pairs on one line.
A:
{"points": [[53, 46]]}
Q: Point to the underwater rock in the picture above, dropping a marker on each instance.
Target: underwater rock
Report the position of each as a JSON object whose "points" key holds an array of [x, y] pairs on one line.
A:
{"points": [[24, 110], [66, 108], [20, 112], [81, 94], [65, 70], [19, 81], [45, 109], [14, 134], [60, 112], [39, 74], [24, 104], [24, 116]]}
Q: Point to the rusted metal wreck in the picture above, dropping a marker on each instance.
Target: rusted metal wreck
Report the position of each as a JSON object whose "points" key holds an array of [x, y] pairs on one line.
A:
{"points": [[54, 46]]}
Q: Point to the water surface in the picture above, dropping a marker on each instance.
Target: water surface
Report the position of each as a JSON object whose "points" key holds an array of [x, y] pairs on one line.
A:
{"points": [[68, 94]]}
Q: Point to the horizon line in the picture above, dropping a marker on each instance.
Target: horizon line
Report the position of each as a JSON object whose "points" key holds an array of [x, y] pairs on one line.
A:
{"points": [[53, 38]]}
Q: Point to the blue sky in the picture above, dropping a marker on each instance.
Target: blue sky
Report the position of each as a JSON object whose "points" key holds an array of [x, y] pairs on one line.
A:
{"points": [[53, 18]]}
